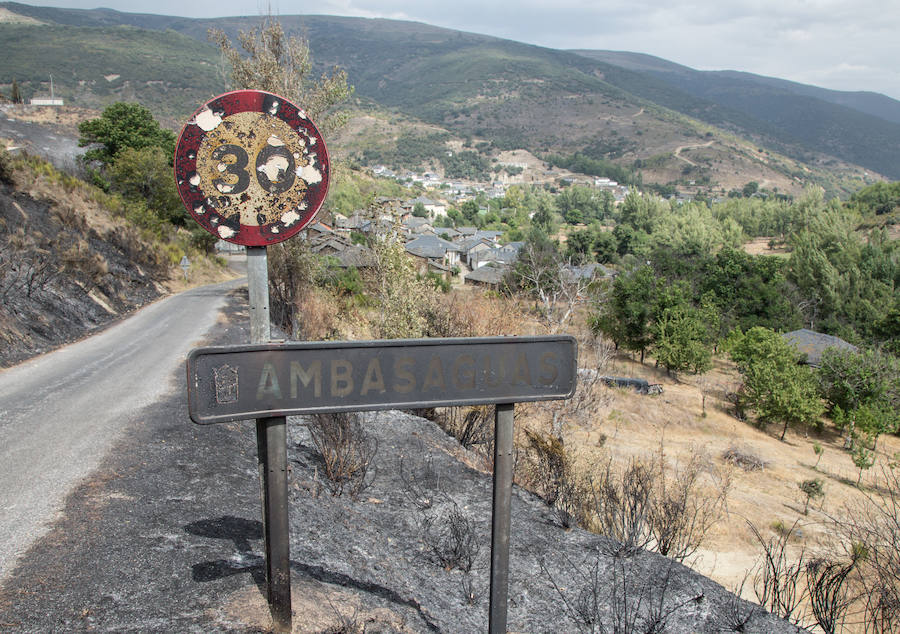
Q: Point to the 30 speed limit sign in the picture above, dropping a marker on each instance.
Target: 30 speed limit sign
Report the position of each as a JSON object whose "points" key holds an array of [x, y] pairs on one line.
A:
{"points": [[251, 168]]}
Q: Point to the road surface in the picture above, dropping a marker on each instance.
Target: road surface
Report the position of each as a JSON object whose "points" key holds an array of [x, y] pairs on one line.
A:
{"points": [[60, 413], [43, 140]]}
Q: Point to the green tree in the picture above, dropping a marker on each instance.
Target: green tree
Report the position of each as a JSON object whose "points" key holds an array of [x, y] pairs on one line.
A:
{"points": [[469, 211], [749, 290], [605, 247], [877, 199], [402, 296], [146, 174], [812, 489], [6, 169], [863, 459], [122, 126], [681, 340], [643, 212], [627, 316], [887, 328], [15, 94], [578, 245], [419, 210], [276, 63], [578, 204], [776, 385], [862, 390]]}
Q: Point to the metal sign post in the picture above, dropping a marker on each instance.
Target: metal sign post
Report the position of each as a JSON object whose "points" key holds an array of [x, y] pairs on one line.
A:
{"points": [[500, 516], [252, 169], [271, 451]]}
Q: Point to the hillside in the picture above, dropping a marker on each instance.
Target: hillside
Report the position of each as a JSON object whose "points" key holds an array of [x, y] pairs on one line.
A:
{"points": [[68, 265], [514, 95], [796, 119]]}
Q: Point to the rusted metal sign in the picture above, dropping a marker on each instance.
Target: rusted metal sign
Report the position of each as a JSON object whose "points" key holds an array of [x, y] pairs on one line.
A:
{"points": [[251, 168], [241, 382]]}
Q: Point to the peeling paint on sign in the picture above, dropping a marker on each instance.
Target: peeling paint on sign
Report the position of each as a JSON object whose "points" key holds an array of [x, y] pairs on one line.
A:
{"points": [[207, 120], [245, 169]]}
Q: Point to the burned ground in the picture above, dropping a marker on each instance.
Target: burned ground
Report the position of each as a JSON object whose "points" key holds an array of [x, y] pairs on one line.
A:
{"points": [[61, 278], [166, 537]]}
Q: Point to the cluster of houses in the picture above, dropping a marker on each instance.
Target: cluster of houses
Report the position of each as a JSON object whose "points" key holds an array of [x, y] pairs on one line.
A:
{"points": [[459, 191], [476, 255], [454, 190]]}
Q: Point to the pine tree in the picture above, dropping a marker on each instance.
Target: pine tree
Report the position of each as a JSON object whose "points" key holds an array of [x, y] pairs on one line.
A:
{"points": [[15, 94]]}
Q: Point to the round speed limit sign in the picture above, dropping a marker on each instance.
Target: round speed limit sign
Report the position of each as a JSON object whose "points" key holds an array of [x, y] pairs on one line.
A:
{"points": [[251, 168]]}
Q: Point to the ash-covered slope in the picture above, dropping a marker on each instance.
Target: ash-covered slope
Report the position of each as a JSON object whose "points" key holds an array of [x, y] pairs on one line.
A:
{"points": [[384, 545], [64, 271]]}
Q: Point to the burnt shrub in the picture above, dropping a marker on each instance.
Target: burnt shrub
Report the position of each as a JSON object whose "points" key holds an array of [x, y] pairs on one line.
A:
{"points": [[450, 538], [346, 450]]}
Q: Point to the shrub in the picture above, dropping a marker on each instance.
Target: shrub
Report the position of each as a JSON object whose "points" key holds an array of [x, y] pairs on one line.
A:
{"points": [[776, 578], [818, 450], [621, 506], [743, 458], [471, 426], [451, 538], [422, 484], [554, 477], [346, 451], [597, 600], [685, 502], [6, 168], [812, 489], [80, 259], [870, 530]]}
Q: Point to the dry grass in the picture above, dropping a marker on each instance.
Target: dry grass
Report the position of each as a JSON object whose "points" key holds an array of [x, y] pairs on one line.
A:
{"points": [[760, 246], [630, 425]]}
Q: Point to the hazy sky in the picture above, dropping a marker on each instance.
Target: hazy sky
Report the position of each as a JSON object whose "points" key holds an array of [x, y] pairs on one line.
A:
{"points": [[839, 44]]}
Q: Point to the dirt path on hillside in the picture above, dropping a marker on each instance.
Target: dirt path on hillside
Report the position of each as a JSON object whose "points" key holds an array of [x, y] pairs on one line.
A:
{"points": [[679, 149]]}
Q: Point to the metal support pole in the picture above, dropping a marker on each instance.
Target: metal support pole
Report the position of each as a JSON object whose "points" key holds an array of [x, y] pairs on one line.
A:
{"points": [[271, 446], [503, 472], [258, 285], [278, 556]]}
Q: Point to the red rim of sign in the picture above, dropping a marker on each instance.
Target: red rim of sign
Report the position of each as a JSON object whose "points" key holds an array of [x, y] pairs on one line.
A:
{"points": [[204, 205]]}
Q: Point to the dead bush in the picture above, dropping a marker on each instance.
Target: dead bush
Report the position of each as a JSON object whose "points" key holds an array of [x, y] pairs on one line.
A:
{"points": [[621, 506], [870, 531], [450, 537], [649, 503], [129, 241], [6, 168], [744, 459], [602, 595], [480, 314], [777, 576], [320, 318], [553, 475], [70, 217], [346, 450], [686, 500], [421, 484], [445, 316], [471, 426], [81, 260], [829, 592]]}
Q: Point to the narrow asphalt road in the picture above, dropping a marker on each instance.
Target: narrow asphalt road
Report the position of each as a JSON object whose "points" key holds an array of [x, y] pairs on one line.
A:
{"points": [[62, 412]]}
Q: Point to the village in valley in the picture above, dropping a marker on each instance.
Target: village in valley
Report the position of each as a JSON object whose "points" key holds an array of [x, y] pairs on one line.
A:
{"points": [[460, 255]]}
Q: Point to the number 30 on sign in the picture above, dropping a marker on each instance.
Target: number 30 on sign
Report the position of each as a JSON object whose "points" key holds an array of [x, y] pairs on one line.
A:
{"points": [[251, 168]]}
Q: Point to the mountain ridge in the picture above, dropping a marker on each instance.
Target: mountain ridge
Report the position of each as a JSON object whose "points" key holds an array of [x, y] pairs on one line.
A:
{"points": [[608, 105]]}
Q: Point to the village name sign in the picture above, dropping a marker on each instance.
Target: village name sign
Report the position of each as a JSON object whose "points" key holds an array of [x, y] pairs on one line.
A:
{"points": [[242, 382]]}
